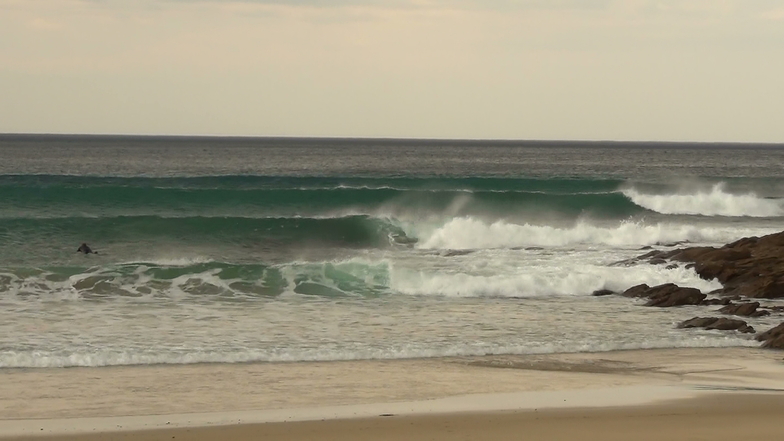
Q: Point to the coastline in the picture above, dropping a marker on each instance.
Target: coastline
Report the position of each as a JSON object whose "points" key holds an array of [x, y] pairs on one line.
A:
{"points": [[747, 417], [145, 402]]}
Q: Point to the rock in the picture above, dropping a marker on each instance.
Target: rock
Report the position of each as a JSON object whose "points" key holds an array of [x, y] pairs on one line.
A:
{"points": [[774, 343], [725, 324], [602, 292], [714, 302], [744, 309], [697, 322], [771, 333], [636, 291], [671, 266], [773, 338], [651, 255], [666, 295], [751, 267], [716, 323], [657, 261]]}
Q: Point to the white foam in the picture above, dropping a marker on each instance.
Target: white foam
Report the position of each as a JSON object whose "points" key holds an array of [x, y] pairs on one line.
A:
{"points": [[542, 281], [471, 233], [716, 202], [42, 359]]}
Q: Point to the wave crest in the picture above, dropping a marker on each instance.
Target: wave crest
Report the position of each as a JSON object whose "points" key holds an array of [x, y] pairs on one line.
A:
{"points": [[471, 233], [716, 202]]}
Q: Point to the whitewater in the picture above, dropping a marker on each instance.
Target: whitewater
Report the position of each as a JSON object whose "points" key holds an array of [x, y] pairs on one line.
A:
{"points": [[255, 250]]}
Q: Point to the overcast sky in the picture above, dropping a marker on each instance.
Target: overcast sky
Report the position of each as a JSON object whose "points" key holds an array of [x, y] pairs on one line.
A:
{"points": [[691, 70]]}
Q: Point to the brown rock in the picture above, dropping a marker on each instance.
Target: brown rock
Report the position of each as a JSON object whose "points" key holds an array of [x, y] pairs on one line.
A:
{"points": [[602, 292], [721, 324], [773, 338], [665, 296], [697, 322], [726, 324], [637, 291], [714, 302], [771, 333], [774, 343], [750, 267], [744, 309]]}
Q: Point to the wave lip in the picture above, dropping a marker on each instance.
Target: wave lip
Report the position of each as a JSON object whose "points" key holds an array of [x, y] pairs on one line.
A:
{"points": [[470, 233], [716, 202]]}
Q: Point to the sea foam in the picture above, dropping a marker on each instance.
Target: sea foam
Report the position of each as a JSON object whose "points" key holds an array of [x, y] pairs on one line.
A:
{"points": [[716, 202], [472, 233], [544, 281]]}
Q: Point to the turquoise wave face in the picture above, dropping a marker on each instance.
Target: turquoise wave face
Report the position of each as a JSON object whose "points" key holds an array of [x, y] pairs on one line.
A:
{"points": [[210, 279], [26, 241], [43, 218]]}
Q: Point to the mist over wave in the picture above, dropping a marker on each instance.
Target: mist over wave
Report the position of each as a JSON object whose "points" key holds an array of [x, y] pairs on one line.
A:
{"points": [[716, 202]]}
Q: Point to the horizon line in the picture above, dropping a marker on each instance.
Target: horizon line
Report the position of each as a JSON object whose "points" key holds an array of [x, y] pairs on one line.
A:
{"points": [[30, 135]]}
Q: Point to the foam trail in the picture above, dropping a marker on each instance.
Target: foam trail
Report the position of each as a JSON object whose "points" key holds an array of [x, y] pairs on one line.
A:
{"points": [[13, 359], [578, 280], [716, 202], [470, 233]]}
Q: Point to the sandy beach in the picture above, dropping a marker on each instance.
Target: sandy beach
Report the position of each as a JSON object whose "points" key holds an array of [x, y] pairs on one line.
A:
{"points": [[722, 393]]}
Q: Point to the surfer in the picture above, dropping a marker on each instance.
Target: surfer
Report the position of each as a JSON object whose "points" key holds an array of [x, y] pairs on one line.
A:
{"points": [[84, 248]]}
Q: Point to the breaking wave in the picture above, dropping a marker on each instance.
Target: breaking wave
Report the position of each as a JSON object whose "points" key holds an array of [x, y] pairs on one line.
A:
{"points": [[716, 202], [471, 233]]}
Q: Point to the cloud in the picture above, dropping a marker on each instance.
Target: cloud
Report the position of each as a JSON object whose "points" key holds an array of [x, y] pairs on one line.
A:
{"points": [[622, 69]]}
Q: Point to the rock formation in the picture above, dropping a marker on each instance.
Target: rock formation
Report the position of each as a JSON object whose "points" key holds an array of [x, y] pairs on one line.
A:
{"points": [[723, 324], [666, 295], [773, 338], [750, 268]]}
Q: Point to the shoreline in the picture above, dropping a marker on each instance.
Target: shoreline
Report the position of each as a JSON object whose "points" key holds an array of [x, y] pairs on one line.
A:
{"points": [[752, 417], [139, 400]]}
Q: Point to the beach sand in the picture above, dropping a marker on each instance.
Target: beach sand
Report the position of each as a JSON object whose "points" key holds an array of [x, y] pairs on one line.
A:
{"points": [[717, 394]]}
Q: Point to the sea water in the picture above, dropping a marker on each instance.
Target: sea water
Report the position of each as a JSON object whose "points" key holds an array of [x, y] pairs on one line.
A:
{"points": [[258, 249]]}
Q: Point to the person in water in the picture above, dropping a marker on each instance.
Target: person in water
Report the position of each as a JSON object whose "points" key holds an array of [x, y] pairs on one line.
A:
{"points": [[84, 248]]}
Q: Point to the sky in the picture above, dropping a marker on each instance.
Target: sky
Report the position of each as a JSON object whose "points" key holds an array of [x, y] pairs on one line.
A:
{"points": [[637, 70]]}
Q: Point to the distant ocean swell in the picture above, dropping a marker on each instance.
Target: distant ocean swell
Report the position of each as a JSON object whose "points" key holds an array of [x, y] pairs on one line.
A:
{"points": [[237, 196]]}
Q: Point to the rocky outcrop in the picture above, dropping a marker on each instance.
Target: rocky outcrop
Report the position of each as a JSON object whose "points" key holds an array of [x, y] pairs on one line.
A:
{"points": [[744, 310], [719, 323], [773, 338], [714, 302], [602, 292], [666, 295], [752, 267]]}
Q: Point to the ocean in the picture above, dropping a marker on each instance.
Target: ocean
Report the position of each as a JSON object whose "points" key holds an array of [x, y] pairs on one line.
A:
{"points": [[235, 250]]}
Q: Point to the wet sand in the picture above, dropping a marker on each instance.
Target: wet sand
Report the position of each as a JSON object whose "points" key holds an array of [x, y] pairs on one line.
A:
{"points": [[668, 394]]}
